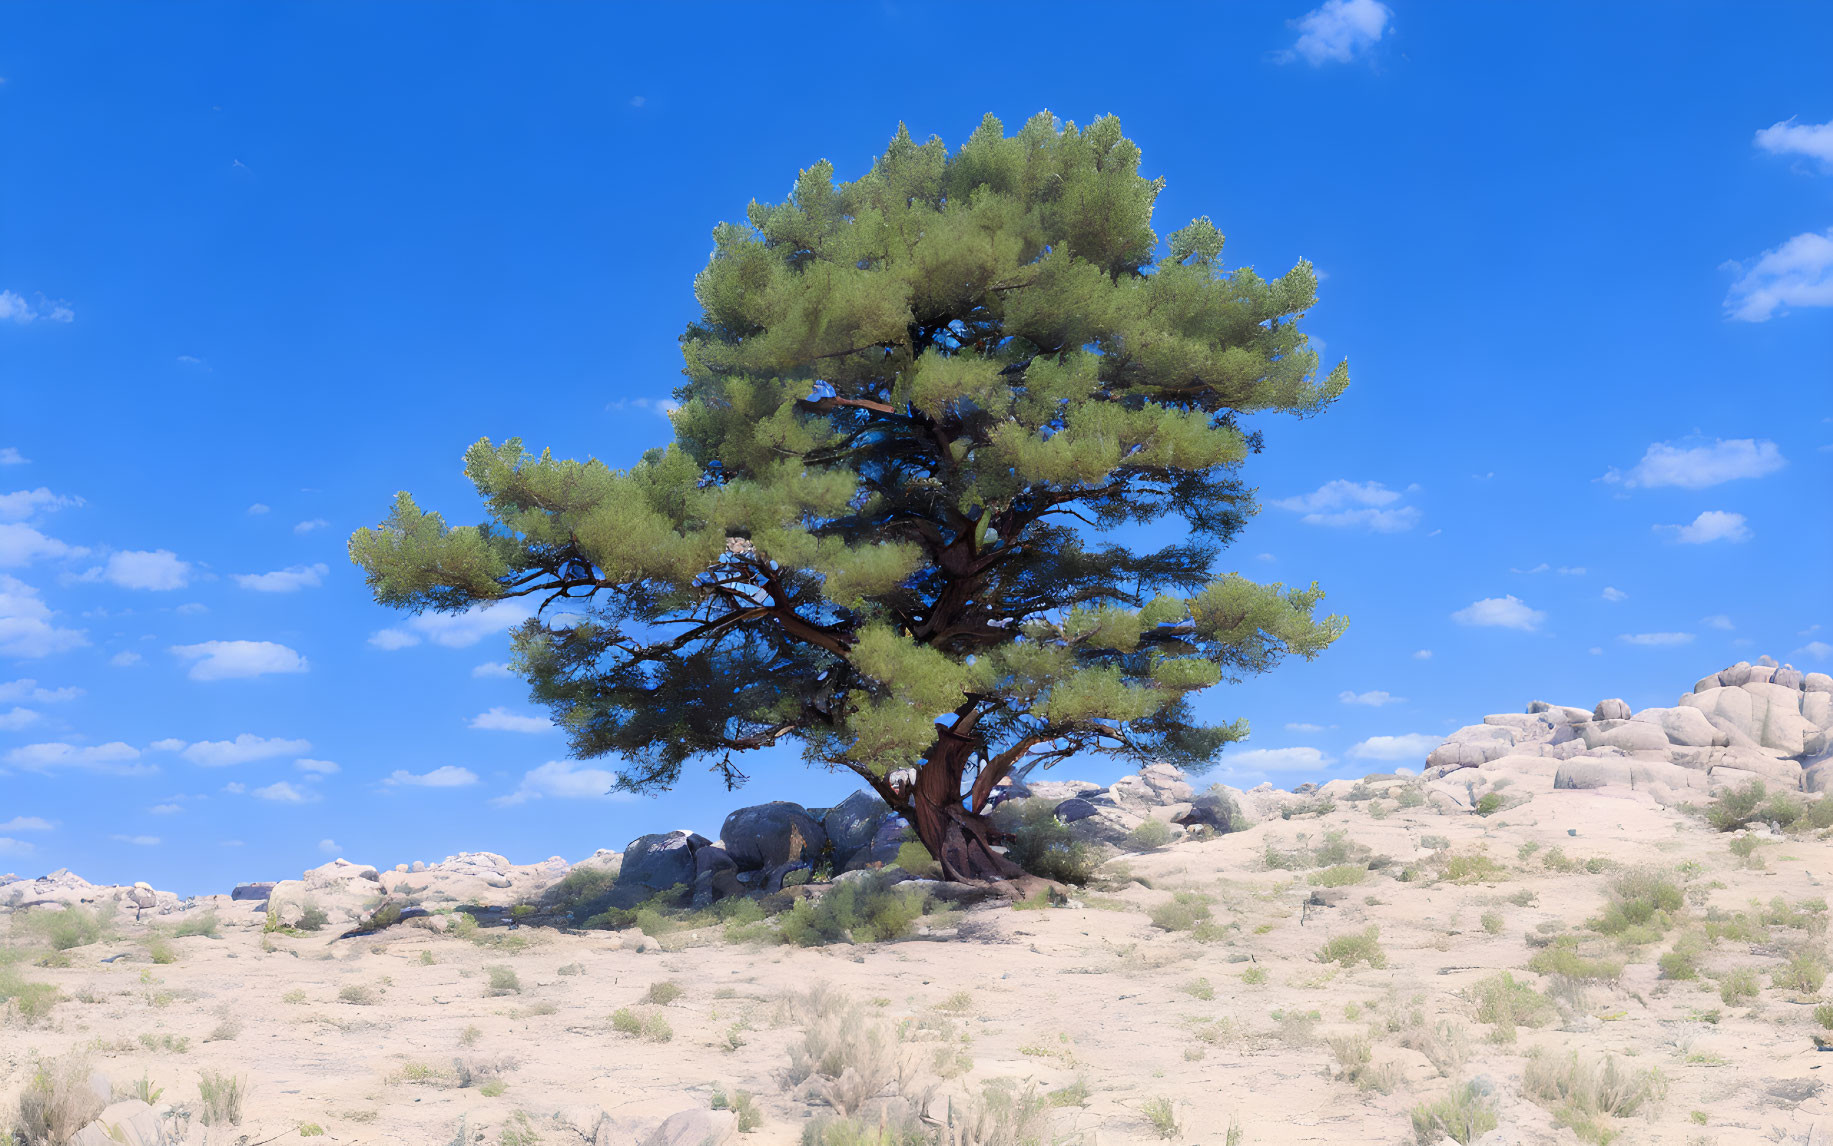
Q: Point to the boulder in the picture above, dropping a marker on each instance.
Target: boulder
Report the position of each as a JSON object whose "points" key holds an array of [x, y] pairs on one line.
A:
{"points": [[1214, 811], [1734, 676], [1817, 682], [660, 860], [1525, 726], [1788, 676], [1773, 770], [1624, 734], [694, 1127], [1167, 783], [1817, 775], [1735, 737], [851, 824], [1817, 709], [256, 892], [1765, 712], [770, 835], [715, 876], [1683, 725], [1063, 789], [886, 842], [1706, 682], [1612, 709], [1628, 773], [1472, 745], [1559, 713], [1069, 811], [130, 1122]]}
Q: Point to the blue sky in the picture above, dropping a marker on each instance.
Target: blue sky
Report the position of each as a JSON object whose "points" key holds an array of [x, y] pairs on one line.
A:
{"points": [[261, 266]]}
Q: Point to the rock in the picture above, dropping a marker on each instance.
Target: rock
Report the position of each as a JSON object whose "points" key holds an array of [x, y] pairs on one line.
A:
{"points": [[1734, 676], [1472, 745], [340, 871], [715, 876], [1624, 734], [1217, 812], [1525, 726], [1167, 783], [1069, 811], [1611, 709], [1735, 737], [769, 835], [256, 892], [1628, 773], [1817, 709], [1706, 682], [886, 842], [130, 1122], [1683, 725], [1817, 775], [1770, 768], [851, 824], [694, 1127], [1559, 713], [1063, 789], [660, 860], [1788, 676], [1817, 682], [1767, 713]]}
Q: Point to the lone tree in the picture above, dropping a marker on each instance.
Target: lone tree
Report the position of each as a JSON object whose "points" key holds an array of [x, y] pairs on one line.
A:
{"points": [[914, 403]]}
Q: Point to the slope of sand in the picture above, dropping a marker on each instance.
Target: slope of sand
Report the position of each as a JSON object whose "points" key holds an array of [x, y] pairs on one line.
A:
{"points": [[1092, 994]]}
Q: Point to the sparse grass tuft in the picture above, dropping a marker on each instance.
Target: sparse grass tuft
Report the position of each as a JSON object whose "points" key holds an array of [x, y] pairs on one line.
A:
{"points": [[160, 950], [1350, 950], [1149, 836], [57, 1102], [651, 1028], [1340, 875], [1641, 905], [63, 928], [204, 924], [357, 995], [1804, 974], [1562, 960], [1500, 1000], [1160, 1113], [1492, 922], [32, 1000], [1738, 987], [743, 1106], [1184, 912], [1581, 1091], [221, 1096], [663, 992], [503, 980], [1200, 988], [1463, 1116]]}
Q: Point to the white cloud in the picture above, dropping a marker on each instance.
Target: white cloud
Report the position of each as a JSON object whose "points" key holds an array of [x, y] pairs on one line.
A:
{"points": [[329, 847], [1340, 29], [170, 744], [1798, 273], [445, 776], [1613, 594], [492, 668], [281, 792], [235, 788], [113, 758], [234, 660], [27, 689], [10, 456], [1814, 140], [1698, 467], [21, 310], [1712, 525], [456, 630], [1301, 726], [1343, 503], [309, 526], [13, 847], [1412, 745], [1718, 621], [159, 570], [1508, 612], [564, 780], [1277, 760], [21, 504], [138, 841], [26, 627], [1374, 698], [16, 719], [1423, 655], [26, 824], [317, 767], [165, 809], [257, 509], [289, 580], [244, 749], [21, 545], [1657, 640], [500, 719], [191, 609], [126, 659], [1814, 651]]}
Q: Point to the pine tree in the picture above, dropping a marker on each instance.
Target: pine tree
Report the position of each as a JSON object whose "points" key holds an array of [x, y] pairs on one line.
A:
{"points": [[915, 404]]}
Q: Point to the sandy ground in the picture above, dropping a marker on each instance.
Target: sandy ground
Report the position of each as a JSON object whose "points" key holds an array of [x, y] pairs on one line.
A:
{"points": [[1093, 993]]}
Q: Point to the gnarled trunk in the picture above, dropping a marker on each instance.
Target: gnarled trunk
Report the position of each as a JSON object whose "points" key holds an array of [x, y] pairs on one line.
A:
{"points": [[959, 838]]}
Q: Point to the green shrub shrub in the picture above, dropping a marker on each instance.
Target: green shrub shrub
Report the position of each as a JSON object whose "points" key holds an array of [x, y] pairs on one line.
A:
{"points": [[1042, 845], [204, 924], [66, 927], [1148, 836], [1463, 1116], [864, 909], [1185, 911], [1350, 950]]}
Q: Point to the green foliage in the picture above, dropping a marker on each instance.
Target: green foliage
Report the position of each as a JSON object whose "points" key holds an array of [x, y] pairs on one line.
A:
{"points": [[1490, 803], [1804, 974], [1499, 999], [1582, 1091], [1738, 986], [663, 992], [1184, 911], [312, 917], [204, 924], [221, 1096], [649, 1025], [1464, 1115], [160, 950], [1562, 959], [743, 1106], [503, 980], [1162, 1117], [357, 995], [1682, 961], [865, 909], [903, 393], [1149, 835], [580, 893], [1492, 922], [1349, 950], [1474, 869], [1640, 905], [914, 858], [1823, 1014], [1753, 803], [33, 1000], [310, 1130], [1342, 875], [145, 1091], [65, 927]]}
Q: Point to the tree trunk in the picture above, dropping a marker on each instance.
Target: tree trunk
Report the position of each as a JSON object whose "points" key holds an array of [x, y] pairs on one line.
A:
{"points": [[961, 841]]}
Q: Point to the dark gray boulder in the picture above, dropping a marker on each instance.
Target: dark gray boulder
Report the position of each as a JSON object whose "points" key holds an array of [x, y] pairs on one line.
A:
{"points": [[771, 835], [257, 892], [882, 851], [660, 860], [1218, 813], [851, 824], [1075, 808], [715, 876]]}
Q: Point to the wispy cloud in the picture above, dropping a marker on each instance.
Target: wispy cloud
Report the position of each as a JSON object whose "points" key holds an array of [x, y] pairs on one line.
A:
{"points": [[237, 660], [18, 309], [21, 545], [1277, 760], [1338, 32], [309, 526], [114, 758], [1657, 640], [1718, 621], [27, 824], [447, 776], [27, 627], [17, 718], [257, 509], [563, 780], [1702, 466], [1814, 651], [664, 407], [455, 630], [1409, 746], [244, 749], [1712, 525], [1374, 698], [1422, 655], [491, 669], [1814, 140], [500, 719], [1508, 612], [1348, 504], [1799, 273], [10, 456], [157, 570], [317, 767], [137, 841], [1613, 594], [288, 580], [281, 792], [24, 503]]}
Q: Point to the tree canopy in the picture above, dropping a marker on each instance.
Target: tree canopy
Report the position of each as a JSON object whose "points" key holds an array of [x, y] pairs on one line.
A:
{"points": [[918, 407]]}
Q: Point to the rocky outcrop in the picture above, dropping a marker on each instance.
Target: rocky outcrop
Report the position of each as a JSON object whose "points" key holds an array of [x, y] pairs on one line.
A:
{"points": [[1763, 721]]}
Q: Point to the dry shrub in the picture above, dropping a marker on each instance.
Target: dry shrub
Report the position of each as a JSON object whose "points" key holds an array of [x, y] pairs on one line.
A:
{"points": [[849, 1056], [57, 1102]]}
